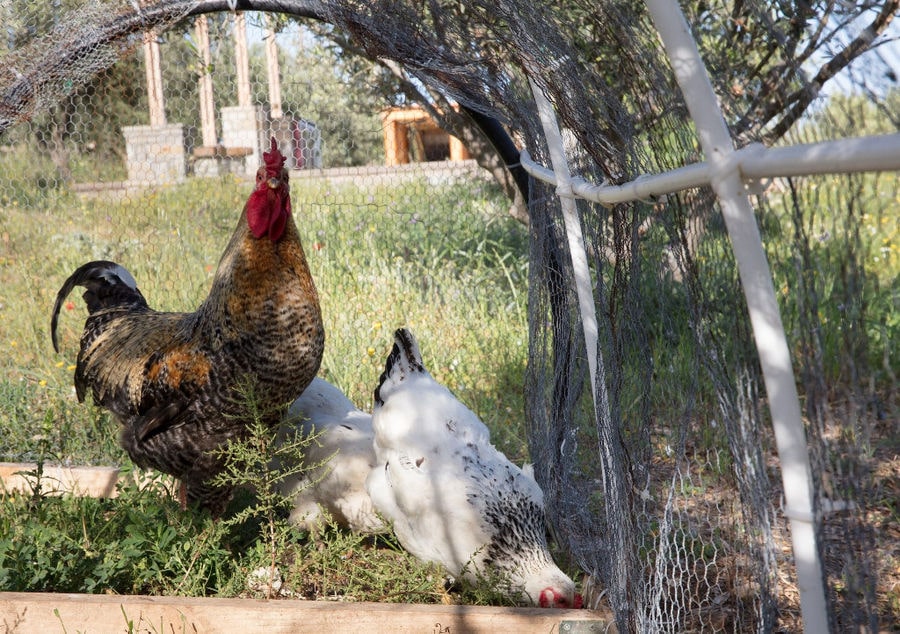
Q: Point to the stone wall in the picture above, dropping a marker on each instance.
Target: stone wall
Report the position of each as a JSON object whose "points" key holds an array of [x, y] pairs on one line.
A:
{"points": [[155, 155], [241, 128]]}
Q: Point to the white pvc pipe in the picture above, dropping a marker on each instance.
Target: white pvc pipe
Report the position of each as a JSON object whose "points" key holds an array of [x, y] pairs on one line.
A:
{"points": [[587, 308], [580, 268], [756, 278], [754, 162], [695, 175], [867, 154]]}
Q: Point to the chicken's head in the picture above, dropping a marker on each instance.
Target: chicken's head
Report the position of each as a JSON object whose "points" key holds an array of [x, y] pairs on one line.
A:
{"points": [[554, 598], [269, 206]]}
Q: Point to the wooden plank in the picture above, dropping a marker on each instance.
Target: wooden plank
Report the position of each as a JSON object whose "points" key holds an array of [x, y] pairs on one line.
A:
{"points": [[24, 613], [411, 114], [97, 482], [220, 151], [241, 59], [238, 152], [272, 72], [55, 480], [205, 85], [458, 151], [396, 144], [155, 98]]}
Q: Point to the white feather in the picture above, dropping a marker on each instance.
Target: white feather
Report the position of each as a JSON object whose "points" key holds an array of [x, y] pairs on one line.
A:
{"points": [[123, 274], [452, 496], [345, 444]]}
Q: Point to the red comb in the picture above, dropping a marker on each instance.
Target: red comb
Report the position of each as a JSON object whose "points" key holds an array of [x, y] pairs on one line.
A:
{"points": [[274, 159]]}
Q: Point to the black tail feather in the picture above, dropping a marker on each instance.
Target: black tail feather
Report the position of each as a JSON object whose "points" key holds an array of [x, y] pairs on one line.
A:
{"points": [[108, 285], [404, 357]]}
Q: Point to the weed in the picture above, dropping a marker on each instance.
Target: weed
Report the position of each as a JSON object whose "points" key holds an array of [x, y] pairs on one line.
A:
{"points": [[249, 462]]}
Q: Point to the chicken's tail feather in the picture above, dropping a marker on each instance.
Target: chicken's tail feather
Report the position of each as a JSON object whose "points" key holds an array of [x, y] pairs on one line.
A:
{"points": [[404, 359], [108, 285]]}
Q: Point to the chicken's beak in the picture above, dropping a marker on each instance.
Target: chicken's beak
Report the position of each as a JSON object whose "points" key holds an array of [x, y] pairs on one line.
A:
{"points": [[273, 183]]}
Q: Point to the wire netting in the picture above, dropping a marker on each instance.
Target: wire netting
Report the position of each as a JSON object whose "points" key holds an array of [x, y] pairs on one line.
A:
{"points": [[667, 494]]}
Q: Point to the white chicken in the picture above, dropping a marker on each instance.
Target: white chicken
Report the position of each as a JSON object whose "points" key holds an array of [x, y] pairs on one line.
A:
{"points": [[341, 457], [452, 496]]}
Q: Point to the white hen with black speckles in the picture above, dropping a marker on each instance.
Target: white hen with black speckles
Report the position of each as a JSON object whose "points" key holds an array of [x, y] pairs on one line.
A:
{"points": [[452, 496], [337, 461]]}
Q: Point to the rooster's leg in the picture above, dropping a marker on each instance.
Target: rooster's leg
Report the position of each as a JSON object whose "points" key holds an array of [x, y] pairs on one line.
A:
{"points": [[182, 495]]}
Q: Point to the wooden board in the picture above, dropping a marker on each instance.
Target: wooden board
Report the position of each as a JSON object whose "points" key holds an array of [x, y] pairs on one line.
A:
{"points": [[220, 151], [98, 482], [26, 613]]}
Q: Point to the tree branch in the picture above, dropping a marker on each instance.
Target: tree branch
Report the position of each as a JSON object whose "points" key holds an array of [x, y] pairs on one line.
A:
{"points": [[801, 99]]}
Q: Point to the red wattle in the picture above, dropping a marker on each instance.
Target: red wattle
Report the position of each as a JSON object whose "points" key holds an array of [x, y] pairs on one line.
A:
{"points": [[257, 218], [267, 213], [277, 221]]}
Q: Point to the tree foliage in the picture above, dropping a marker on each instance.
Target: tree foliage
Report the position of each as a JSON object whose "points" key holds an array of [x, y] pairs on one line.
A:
{"points": [[769, 61]]}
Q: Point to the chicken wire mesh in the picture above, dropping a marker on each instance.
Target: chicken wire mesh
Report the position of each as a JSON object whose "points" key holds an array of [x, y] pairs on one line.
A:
{"points": [[668, 495]]}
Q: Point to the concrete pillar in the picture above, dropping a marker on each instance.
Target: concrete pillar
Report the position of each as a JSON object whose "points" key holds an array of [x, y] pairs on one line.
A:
{"points": [[241, 128], [155, 155]]}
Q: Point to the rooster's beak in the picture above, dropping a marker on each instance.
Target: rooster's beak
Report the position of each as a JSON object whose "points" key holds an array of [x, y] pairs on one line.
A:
{"points": [[273, 183]]}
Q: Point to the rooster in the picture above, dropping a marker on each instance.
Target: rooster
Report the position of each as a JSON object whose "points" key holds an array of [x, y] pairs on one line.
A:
{"points": [[179, 383], [452, 496]]}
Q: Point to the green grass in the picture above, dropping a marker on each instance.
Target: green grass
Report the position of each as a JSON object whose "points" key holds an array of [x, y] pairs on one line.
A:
{"points": [[443, 261], [853, 271]]}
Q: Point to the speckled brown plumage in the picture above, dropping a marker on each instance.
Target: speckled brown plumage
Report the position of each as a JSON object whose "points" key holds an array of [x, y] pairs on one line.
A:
{"points": [[171, 379]]}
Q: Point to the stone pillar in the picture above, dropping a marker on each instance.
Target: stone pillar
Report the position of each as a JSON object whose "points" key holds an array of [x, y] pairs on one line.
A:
{"points": [[241, 128], [155, 155]]}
